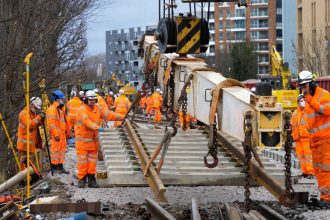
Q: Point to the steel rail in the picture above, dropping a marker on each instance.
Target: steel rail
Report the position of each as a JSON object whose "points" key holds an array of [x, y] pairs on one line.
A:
{"points": [[153, 179], [273, 185], [194, 210], [157, 211]]}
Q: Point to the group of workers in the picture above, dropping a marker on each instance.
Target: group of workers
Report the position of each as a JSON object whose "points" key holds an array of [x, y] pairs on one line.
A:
{"points": [[311, 133], [152, 104], [82, 117]]}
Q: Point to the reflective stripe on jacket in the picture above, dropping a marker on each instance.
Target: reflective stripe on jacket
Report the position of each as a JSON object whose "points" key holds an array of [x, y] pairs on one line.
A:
{"points": [[35, 139], [89, 120], [299, 123], [319, 117], [122, 104], [72, 107]]}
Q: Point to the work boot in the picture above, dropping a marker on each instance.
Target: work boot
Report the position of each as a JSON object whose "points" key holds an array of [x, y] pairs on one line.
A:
{"points": [[53, 167], [92, 181], [82, 182], [61, 169]]}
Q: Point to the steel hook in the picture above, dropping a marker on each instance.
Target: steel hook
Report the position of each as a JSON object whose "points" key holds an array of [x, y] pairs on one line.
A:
{"points": [[215, 160]]}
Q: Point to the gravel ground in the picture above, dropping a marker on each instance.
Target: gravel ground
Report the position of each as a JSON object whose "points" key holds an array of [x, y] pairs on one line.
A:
{"points": [[128, 202]]}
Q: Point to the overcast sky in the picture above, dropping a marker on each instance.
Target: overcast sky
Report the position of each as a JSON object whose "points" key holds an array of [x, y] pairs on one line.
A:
{"points": [[122, 14]]}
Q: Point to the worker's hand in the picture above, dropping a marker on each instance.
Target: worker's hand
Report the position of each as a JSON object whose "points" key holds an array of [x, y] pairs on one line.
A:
{"points": [[57, 139], [42, 114], [101, 129]]}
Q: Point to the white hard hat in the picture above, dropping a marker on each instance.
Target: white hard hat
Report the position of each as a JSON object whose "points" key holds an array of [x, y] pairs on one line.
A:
{"points": [[96, 90], [305, 77], [36, 101], [121, 92], [158, 90], [73, 93], [81, 93], [90, 94], [111, 92], [253, 89]]}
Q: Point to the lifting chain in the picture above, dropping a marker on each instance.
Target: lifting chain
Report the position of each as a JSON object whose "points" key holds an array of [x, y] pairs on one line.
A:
{"points": [[184, 111], [247, 145], [213, 145], [288, 198]]}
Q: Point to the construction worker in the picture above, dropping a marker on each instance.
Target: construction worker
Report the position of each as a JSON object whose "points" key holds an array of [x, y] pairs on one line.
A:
{"points": [[121, 105], [72, 107], [59, 131], [149, 109], [89, 122], [35, 117], [319, 128], [143, 102], [100, 100], [188, 120], [157, 101], [109, 100], [301, 137], [82, 95]]}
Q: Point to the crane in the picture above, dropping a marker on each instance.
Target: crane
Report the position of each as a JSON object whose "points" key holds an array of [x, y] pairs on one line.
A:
{"points": [[280, 68]]}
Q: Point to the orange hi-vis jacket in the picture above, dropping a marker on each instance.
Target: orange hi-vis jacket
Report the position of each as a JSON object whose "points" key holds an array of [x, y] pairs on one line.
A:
{"points": [[109, 101], [157, 100], [89, 120], [35, 138], [57, 125], [72, 107], [149, 102], [101, 102], [122, 104], [143, 102], [299, 123], [319, 118]]}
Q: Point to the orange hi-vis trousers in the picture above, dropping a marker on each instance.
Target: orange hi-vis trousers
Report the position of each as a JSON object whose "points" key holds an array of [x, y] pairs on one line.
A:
{"points": [[321, 163], [158, 114], [86, 162], [304, 155]]}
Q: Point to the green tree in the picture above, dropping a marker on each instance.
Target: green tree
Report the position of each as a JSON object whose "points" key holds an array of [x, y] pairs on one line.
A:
{"points": [[243, 62]]}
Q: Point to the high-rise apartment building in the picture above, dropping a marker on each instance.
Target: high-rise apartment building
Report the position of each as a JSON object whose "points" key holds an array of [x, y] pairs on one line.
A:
{"points": [[260, 24], [313, 29], [122, 53]]}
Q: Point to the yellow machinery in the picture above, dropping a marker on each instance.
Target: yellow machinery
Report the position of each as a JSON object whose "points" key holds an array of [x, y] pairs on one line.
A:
{"points": [[280, 80]]}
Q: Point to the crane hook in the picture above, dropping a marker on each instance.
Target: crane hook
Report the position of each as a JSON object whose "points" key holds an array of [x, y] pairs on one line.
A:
{"points": [[215, 160]]}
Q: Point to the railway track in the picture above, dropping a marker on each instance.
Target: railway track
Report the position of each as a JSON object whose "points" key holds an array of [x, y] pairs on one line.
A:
{"points": [[126, 151]]}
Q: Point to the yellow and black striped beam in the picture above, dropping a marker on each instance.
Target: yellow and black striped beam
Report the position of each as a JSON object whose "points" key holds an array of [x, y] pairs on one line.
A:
{"points": [[189, 35]]}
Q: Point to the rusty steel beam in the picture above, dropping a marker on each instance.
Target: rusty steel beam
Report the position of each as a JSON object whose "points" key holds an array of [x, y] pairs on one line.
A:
{"points": [[157, 211], [89, 207], [273, 185], [153, 179]]}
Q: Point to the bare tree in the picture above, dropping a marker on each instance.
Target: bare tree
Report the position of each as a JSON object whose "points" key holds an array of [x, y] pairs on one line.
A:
{"points": [[55, 31], [313, 52]]}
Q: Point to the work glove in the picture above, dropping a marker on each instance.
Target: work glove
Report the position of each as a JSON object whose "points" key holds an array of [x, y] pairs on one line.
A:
{"points": [[57, 138], [42, 115], [101, 129]]}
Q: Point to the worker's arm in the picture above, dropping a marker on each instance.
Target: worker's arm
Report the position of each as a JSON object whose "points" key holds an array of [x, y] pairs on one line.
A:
{"points": [[322, 106], [89, 123], [108, 115], [23, 119], [52, 117]]}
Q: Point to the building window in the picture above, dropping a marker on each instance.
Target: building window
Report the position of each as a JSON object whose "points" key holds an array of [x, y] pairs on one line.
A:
{"points": [[240, 35], [220, 13], [228, 26], [279, 47], [263, 69], [278, 11], [279, 33], [212, 50], [228, 13], [221, 35], [254, 23], [263, 23], [254, 12], [228, 35], [240, 12], [240, 24], [263, 12], [263, 35], [221, 24], [212, 37], [254, 35], [211, 26], [263, 58], [263, 46]]}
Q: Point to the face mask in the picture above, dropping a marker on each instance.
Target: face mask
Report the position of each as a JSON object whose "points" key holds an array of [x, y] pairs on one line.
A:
{"points": [[61, 103], [302, 104]]}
